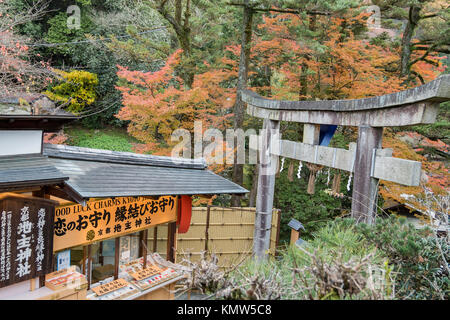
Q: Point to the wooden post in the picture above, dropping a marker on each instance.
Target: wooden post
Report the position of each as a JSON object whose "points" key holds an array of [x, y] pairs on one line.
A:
{"points": [[143, 246], [32, 284], [100, 253], [83, 267], [277, 242], [365, 187], [171, 241], [266, 186], [208, 214], [295, 235], [311, 133], [155, 239], [116, 258], [89, 271], [172, 235]]}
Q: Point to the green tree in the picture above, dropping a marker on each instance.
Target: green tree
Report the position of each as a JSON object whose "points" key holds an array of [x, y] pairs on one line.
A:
{"points": [[77, 90]]}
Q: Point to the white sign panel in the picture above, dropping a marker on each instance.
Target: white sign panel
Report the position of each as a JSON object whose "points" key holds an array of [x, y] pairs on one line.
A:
{"points": [[14, 142]]}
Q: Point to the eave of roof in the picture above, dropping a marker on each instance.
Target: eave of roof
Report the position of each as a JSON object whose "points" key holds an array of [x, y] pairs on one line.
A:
{"points": [[107, 156], [47, 123], [23, 171]]}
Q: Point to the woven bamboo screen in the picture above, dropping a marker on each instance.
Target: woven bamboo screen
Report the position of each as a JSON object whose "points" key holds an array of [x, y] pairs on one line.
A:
{"points": [[229, 234]]}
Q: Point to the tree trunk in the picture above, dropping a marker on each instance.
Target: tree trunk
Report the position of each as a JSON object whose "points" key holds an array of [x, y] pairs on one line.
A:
{"points": [[413, 19], [238, 169], [183, 32]]}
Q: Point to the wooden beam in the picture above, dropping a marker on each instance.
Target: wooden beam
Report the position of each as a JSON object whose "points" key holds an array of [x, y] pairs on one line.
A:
{"points": [[413, 114], [435, 91], [405, 172], [56, 192], [402, 171], [74, 195]]}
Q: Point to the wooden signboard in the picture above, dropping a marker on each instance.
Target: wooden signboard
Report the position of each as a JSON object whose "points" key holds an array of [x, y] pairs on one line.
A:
{"points": [[110, 287], [26, 237], [109, 218], [146, 273]]}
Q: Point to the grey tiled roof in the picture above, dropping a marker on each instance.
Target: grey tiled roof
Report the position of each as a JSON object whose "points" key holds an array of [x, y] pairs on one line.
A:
{"points": [[28, 170], [99, 173], [88, 154]]}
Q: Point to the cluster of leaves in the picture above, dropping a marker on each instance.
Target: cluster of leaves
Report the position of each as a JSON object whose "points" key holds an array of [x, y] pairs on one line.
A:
{"points": [[77, 89], [325, 59], [434, 179], [88, 47]]}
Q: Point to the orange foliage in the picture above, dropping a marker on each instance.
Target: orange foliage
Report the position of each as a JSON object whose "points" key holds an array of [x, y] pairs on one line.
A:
{"points": [[156, 103], [435, 178], [337, 67], [343, 66]]}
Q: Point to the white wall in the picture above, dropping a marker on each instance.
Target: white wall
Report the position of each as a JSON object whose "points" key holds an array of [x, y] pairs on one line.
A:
{"points": [[20, 142]]}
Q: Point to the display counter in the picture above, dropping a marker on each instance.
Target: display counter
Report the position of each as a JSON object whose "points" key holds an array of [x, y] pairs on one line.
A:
{"points": [[67, 284], [154, 282]]}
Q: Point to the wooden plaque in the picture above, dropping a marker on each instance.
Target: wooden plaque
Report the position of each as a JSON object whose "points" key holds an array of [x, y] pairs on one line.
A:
{"points": [[146, 273], [26, 237], [110, 287]]}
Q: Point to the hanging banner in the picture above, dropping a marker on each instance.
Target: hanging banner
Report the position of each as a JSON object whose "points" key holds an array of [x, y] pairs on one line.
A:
{"points": [[26, 237], [76, 225]]}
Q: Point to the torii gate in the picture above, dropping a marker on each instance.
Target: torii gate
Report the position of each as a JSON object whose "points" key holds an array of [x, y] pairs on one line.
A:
{"points": [[366, 159]]}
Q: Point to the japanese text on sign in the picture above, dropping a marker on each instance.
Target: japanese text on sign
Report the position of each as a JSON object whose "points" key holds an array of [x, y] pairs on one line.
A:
{"points": [[77, 225], [25, 238]]}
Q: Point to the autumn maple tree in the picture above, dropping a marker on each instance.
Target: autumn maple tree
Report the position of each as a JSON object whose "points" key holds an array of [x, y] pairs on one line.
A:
{"points": [[335, 64], [157, 103]]}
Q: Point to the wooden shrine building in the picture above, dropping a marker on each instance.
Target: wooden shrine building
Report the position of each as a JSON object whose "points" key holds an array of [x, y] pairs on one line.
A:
{"points": [[63, 206]]}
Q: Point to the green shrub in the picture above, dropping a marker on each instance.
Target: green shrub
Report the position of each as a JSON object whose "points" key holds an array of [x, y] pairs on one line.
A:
{"points": [[416, 255], [388, 260]]}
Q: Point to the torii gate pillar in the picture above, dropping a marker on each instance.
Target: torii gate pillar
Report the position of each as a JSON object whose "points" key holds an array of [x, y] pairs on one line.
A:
{"points": [[365, 186], [266, 188]]}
